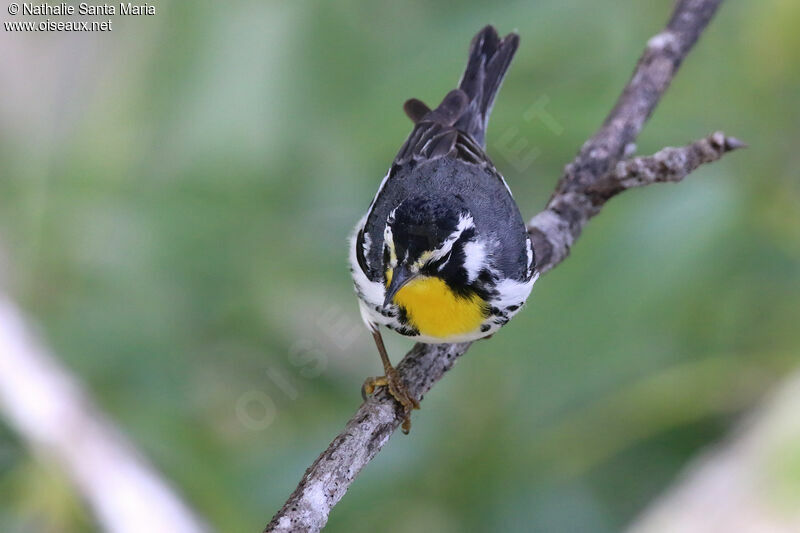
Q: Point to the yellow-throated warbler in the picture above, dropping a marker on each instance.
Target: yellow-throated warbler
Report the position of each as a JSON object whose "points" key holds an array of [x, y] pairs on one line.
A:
{"points": [[442, 254]]}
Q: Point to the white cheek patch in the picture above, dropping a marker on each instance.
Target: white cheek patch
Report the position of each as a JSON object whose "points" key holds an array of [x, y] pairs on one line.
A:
{"points": [[465, 222], [474, 259]]}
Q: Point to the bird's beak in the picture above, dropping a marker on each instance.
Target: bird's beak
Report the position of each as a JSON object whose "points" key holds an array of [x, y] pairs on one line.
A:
{"points": [[400, 276]]}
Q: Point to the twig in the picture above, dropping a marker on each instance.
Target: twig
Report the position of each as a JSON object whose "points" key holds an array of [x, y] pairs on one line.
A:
{"points": [[50, 410], [673, 164], [556, 228], [587, 183]]}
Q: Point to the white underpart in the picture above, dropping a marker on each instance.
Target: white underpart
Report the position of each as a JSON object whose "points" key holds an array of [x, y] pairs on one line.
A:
{"points": [[530, 256], [474, 259], [513, 292], [366, 246], [372, 292]]}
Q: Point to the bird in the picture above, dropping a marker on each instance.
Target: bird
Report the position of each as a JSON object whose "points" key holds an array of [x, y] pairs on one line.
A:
{"points": [[442, 254]]}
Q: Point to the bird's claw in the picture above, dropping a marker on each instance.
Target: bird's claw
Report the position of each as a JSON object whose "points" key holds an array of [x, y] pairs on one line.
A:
{"points": [[399, 392]]}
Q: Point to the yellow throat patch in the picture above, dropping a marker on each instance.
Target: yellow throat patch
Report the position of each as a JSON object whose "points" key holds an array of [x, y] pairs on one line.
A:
{"points": [[435, 310]]}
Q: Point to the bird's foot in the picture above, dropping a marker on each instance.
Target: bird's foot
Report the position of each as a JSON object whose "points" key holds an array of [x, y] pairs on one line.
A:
{"points": [[399, 392]]}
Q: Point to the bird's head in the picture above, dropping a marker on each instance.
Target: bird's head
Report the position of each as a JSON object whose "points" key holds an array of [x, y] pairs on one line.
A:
{"points": [[426, 238]]}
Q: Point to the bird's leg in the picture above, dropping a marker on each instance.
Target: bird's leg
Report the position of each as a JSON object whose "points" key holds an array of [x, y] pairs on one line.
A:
{"points": [[391, 380]]}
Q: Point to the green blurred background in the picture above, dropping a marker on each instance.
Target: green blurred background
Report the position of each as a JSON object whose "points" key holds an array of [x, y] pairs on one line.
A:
{"points": [[175, 198]]}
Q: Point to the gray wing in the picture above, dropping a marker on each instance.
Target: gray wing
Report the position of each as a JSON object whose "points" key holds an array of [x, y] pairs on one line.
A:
{"points": [[444, 156], [473, 178]]}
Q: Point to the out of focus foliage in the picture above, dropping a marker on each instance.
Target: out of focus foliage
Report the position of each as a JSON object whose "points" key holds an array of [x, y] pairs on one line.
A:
{"points": [[175, 198]]}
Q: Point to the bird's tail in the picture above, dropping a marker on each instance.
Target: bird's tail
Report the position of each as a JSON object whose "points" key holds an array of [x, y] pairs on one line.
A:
{"points": [[466, 108], [489, 59]]}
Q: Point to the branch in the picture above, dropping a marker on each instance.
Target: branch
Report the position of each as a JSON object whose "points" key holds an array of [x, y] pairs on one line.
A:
{"points": [[50, 410], [589, 181], [556, 228], [673, 164]]}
